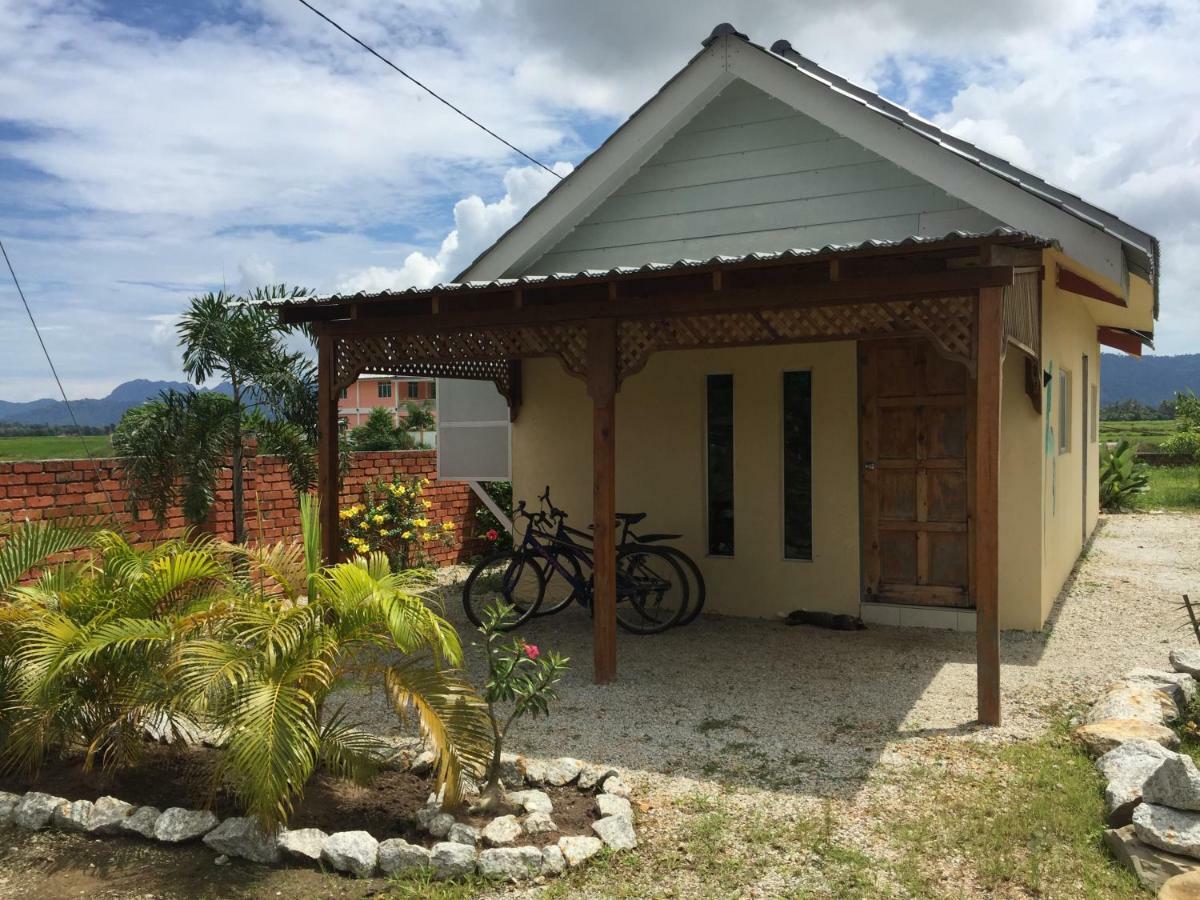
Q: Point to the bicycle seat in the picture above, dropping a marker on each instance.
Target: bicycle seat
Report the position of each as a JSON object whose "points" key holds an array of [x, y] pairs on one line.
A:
{"points": [[656, 538], [631, 518]]}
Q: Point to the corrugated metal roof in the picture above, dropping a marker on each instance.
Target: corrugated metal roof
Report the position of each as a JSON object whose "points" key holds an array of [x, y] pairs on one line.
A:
{"points": [[1003, 234], [1142, 249]]}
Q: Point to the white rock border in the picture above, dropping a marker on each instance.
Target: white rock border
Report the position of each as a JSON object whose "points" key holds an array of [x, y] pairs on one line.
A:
{"points": [[1152, 793], [460, 852]]}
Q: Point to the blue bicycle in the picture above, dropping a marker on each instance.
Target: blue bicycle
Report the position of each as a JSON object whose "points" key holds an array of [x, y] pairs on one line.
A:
{"points": [[652, 588]]}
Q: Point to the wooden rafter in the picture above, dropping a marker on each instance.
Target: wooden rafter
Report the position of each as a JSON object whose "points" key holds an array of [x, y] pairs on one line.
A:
{"points": [[1120, 339], [1085, 287]]}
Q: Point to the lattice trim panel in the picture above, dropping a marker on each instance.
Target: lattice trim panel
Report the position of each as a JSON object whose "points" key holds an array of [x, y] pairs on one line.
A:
{"points": [[947, 321], [477, 354]]}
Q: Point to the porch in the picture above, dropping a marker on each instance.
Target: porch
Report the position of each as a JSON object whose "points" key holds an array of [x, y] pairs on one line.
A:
{"points": [[968, 298]]}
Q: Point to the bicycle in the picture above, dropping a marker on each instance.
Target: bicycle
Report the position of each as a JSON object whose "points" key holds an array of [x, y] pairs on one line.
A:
{"points": [[652, 589], [697, 589]]}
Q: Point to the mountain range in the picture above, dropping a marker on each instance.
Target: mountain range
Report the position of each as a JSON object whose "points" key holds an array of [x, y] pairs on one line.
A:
{"points": [[1149, 380]]}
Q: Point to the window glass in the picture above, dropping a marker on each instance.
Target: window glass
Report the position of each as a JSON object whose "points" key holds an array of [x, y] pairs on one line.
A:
{"points": [[1064, 411], [385, 389], [797, 465], [413, 390], [342, 394], [719, 459]]}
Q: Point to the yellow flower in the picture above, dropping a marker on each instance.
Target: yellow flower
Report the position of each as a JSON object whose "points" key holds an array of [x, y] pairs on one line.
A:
{"points": [[346, 513], [421, 523], [406, 535], [399, 490], [377, 519], [428, 504], [426, 536], [447, 525], [364, 525]]}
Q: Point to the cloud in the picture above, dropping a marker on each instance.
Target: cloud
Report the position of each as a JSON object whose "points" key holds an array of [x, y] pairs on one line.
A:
{"points": [[149, 152], [476, 225]]}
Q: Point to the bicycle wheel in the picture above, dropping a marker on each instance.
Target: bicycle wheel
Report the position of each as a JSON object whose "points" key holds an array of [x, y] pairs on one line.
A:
{"points": [[561, 590], [510, 576], [652, 589], [697, 590]]}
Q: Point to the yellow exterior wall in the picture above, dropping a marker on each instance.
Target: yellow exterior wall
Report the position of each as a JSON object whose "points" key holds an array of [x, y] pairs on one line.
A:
{"points": [[1020, 588], [1068, 333], [660, 466]]}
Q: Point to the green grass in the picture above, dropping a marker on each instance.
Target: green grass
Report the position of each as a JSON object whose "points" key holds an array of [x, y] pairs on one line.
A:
{"points": [[1172, 488], [1147, 435], [56, 446], [1027, 818]]}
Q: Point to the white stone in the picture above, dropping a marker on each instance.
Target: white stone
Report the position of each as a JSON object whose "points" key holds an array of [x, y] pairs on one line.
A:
{"points": [[1098, 738], [535, 770], [562, 771], [531, 801], [426, 814], [450, 860], [141, 821], [553, 861], [1175, 782], [462, 833], [35, 809], [72, 815], [396, 855], [1187, 661], [612, 805], [616, 831], [423, 764], [1180, 686], [109, 814], [538, 823], [1174, 830], [578, 849], [1134, 700], [511, 863], [177, 825], [512, 769], [593, 776], [1126, 768], [303, 844], [221, 860], [616, 787], [8, 805], [355, 852], [239, 836], [440, 825], [502, 831]]}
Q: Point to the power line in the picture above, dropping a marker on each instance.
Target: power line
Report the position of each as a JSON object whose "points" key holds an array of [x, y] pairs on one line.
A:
{"points": [[428, 90], [70, 410]]}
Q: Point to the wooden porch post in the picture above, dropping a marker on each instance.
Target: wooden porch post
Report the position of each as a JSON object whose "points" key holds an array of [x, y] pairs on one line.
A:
{"points": [[327, 446], [602, 388], [989, 322]]}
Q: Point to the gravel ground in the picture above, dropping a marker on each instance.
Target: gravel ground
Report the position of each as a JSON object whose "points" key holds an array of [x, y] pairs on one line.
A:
{"points": [[829, 703], [793, 726]]}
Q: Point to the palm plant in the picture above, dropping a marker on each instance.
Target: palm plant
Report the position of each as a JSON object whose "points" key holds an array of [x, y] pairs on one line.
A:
{"points": [[420, 419], [269, 671], [178, 443], [87, 644]]}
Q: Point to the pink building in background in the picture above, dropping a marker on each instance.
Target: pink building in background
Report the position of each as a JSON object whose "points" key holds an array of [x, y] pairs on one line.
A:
{"points": [[392, 392]]}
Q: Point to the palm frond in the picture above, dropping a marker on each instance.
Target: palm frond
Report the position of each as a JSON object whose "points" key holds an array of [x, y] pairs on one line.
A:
{"points": [[350, 752], [453, 720], [30, 544]]}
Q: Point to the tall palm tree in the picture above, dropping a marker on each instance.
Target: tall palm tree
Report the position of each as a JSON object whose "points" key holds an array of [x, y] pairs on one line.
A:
{"points": [[177, 444], [420, 419]]}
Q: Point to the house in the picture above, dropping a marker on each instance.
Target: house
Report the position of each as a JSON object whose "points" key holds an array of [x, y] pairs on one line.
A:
{"points": [[355, 401], [853, 359]]}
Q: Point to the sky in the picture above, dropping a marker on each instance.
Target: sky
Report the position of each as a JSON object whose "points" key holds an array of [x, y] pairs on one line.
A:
{"points": [[151, 150]]}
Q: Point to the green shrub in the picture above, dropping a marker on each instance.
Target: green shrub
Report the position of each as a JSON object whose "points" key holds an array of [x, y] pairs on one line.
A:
{"points": [[1122, 476]]}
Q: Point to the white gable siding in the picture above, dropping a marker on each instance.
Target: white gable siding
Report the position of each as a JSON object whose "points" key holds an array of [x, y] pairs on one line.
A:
{"points": [[750, 173]]}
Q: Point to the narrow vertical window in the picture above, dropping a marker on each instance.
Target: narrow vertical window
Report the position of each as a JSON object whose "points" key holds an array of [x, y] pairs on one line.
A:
{"points": [[414, 390], [1094, 420], [797, 465], [1064, 411], [719, 458], [384, 388]]}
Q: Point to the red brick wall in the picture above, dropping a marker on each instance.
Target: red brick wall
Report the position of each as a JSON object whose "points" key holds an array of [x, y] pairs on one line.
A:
{"points": [[59, 488]]}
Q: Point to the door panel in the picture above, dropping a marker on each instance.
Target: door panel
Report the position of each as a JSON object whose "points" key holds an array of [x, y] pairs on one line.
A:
{"points": [[916, 436]]}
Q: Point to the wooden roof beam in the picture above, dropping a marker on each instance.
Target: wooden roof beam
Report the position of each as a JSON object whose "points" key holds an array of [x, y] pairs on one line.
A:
{"points": [[1075, 283], [1120, 339]]}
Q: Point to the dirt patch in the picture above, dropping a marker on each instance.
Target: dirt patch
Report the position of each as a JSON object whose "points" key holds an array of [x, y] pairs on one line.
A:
{"points": [[387, 807]]}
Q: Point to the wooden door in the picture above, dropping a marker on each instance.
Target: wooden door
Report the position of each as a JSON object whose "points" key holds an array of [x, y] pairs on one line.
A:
{"points": [[917, 410]]}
